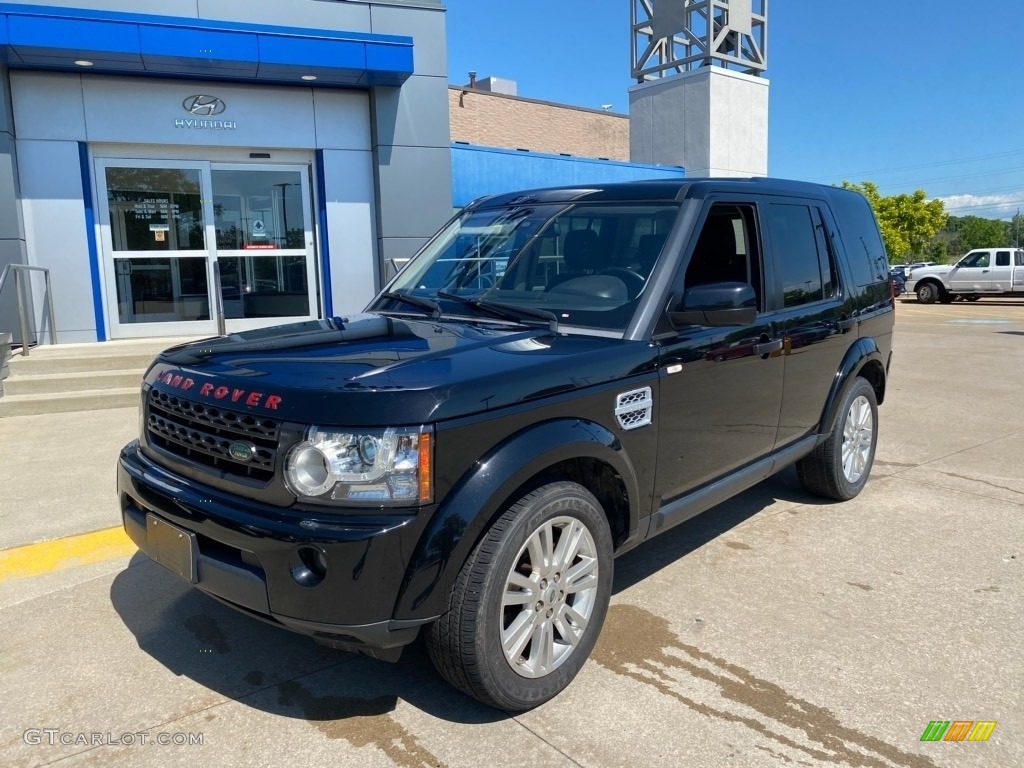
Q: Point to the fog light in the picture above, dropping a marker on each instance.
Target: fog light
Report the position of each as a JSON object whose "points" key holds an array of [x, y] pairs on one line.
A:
{"points": [[312, 568]]}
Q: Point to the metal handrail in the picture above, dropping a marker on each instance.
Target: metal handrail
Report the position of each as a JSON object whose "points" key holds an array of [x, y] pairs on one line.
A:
{"points": [[22, 318]]}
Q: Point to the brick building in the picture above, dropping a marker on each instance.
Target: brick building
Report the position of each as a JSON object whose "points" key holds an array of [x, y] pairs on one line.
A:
{"points": [[491, 119]]}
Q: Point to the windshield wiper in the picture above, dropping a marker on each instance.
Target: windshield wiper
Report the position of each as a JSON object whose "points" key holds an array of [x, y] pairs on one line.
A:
{"points": [[427, 305], [506, 311]]}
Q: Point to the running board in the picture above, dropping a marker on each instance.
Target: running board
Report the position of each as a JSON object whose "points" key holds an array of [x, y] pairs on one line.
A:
{"points": [[682, 509]]}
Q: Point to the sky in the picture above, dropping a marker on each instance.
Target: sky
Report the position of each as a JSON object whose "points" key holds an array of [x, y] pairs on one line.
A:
{"points": [[909, 94]]}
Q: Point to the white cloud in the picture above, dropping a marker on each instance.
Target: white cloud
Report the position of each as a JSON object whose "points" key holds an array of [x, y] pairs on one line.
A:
{"points": [[987, 206]]}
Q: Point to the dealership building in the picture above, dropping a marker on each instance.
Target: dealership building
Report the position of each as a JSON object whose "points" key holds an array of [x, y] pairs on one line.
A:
{"points": [[293, 153]]}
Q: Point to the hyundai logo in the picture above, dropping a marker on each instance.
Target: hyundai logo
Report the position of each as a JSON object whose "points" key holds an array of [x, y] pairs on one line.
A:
{"points": [[204, 105]]}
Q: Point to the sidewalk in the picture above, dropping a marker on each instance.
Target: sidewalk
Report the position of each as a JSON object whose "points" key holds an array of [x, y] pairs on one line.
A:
{"points": [[57, 473]]}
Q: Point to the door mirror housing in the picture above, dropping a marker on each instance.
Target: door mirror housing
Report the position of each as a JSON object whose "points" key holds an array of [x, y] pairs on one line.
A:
{"points": [[716, 304]]}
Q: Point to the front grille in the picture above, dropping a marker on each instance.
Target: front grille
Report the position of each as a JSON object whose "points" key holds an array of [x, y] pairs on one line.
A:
{"points": [[205, 434]]}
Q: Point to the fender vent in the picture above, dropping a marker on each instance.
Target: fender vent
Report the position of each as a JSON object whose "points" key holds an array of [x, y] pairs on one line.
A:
{"points": [[633, 409]]}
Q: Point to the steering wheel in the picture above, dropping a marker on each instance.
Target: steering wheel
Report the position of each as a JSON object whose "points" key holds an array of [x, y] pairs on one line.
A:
{"points": [[479, 283], [634, 281]]}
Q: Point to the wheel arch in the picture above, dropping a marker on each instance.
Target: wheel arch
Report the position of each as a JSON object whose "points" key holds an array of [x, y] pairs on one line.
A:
{"points": [[863, 360], [565, 449], [932, 280]]}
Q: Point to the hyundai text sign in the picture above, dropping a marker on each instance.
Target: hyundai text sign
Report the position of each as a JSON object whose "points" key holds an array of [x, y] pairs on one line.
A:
{"points": [[205, 107]]}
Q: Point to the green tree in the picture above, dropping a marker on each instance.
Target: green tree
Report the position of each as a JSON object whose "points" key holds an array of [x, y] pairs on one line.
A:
{"points": [[908, 223], [972, 232], [1014, 231]]}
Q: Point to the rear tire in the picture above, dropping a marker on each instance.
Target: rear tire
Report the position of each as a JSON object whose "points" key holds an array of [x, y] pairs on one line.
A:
{"points": [[529, 603], [839, 467]]}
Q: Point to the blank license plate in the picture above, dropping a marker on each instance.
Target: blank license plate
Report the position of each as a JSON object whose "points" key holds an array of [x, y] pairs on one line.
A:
{"points": [[172, 547]]}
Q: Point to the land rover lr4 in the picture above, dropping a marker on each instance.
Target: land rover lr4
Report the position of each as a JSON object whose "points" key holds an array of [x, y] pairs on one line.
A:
{"points": [[556, 377]]}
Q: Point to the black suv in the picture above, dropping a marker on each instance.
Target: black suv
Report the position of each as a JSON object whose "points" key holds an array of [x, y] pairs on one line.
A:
{"points": [[557, 376]]}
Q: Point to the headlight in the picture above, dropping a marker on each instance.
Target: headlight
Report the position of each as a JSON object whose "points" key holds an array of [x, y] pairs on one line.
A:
{"points": [[391, 466]]}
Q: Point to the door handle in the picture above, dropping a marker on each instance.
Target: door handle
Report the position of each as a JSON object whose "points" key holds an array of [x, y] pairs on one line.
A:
{"points": [[767, 347], [846, 323]]}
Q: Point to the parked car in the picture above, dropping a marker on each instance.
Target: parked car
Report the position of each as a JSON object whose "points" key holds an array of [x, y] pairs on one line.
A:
{"points": [[899, 280], [981, 272], [465, 458]]}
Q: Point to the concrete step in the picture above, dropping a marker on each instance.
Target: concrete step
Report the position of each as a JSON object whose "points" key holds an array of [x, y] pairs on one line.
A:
{"points": [[134, 354], [78, 381], [64, 402], [40, 366]]}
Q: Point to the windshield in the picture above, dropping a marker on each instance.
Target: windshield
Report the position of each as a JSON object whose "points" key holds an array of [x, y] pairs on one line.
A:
{"points": [[586, 264]]}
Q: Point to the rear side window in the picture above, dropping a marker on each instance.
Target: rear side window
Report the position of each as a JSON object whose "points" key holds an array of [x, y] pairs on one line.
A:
{"points": [[1019, 259], [801, 253], [861, 238], [1002, 258]]}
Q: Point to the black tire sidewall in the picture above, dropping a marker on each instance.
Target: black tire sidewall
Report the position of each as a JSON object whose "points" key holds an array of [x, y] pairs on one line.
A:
{"points": [[556, 500], [860, 387]]}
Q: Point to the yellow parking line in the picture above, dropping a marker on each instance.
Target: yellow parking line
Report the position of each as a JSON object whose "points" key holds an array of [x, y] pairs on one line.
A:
{"points": [[47, 556]]}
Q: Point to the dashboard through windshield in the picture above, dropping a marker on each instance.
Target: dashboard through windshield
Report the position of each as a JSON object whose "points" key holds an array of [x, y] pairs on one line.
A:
{"points": [[585, 264]]}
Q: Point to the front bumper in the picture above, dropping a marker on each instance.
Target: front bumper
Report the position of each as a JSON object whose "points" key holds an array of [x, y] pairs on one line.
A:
{"points": [[255, 557]]}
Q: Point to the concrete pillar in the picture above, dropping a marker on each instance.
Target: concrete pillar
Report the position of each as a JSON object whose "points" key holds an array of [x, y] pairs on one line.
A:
{"points": [[712, 121], [12, 228]]}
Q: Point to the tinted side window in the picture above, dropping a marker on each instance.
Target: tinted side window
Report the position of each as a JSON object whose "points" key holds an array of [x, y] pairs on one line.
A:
{"points": [[861, 239], [727, 249], [1019, 259], [794, 243], [979, 259], [1002, 258]]}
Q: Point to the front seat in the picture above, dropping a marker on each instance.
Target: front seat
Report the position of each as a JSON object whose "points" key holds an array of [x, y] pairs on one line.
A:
{"points": [[579, 254], [714, 258]]}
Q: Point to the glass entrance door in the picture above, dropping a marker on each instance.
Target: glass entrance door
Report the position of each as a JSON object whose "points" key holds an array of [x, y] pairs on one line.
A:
{"points": [[166, 224], [264, 240]]}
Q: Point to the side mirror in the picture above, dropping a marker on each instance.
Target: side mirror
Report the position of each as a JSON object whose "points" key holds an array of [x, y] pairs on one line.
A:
{"points": [[716, 304]]}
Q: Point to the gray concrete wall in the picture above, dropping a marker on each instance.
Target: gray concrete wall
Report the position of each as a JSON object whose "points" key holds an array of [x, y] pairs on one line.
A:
{"points": [[411, 137], [712, 121], [353, 15], [12, 228]]}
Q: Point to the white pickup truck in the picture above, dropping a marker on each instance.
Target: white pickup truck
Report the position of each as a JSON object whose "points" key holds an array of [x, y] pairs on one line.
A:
{"points": [[982, 272]]}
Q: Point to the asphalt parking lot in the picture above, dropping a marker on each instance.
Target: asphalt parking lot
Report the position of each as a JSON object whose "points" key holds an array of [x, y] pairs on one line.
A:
{"points": [[772, 630]]}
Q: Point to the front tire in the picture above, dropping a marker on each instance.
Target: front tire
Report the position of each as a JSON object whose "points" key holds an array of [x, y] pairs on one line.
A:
{"points": [[927, 293], [839, 467], [530, 601]]}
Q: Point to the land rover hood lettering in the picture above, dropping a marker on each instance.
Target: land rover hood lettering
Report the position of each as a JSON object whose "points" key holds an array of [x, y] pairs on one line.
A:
{"points": [[212, 391]]}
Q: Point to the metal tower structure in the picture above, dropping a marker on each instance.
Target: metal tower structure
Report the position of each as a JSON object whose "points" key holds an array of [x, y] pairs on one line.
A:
{"points": [[676, 36]]}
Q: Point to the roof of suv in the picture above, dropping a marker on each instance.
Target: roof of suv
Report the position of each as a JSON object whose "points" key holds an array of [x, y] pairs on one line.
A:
{"points": [[658, 189]]}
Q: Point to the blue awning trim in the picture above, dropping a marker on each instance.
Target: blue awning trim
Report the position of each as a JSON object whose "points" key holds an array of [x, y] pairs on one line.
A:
{"points": [[42, 37]]}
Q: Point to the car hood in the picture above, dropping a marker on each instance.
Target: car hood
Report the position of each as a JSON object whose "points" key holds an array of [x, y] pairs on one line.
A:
{"points": [[376, 370], [939, 270]]}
